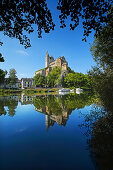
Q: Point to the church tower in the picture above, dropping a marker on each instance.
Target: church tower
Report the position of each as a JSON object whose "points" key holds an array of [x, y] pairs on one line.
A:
{"points": [[47, 60]]}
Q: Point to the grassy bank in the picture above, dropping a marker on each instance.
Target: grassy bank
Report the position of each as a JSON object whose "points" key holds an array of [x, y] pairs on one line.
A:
{"points": [[32, 91], [27, 91], [39, 91], [9, 91]]}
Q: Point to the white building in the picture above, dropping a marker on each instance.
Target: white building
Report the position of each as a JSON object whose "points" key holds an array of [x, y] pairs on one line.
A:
{"points": [[26, 83]]}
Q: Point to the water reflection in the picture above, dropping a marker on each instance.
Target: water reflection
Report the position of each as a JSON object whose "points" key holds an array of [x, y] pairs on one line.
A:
{"points": [[96, 125], [57, 108], [10, 102], [101, 142], [26, 99]]}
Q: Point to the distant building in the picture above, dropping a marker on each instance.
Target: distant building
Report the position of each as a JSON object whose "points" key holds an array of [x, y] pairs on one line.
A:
{"points": [[19, 83], [50, 63], [26, 83]]}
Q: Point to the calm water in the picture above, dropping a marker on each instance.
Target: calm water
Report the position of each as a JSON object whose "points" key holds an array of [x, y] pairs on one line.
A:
{"points": [[50, 133]]}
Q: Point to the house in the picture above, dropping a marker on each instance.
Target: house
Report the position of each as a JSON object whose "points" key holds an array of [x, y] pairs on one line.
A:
{"points": [[26, 83]]}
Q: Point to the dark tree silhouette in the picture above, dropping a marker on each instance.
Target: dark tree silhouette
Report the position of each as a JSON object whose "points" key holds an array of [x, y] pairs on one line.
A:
{"points": [[94, 14], [1, 58], [18, 16]]}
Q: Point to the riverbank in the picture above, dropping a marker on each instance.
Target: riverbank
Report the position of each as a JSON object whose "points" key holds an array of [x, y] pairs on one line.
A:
{"points": [[31, 91], [27, 91]]}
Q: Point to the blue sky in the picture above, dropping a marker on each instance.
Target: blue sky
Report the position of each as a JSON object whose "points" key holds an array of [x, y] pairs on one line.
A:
{"points": [[60, 42]]}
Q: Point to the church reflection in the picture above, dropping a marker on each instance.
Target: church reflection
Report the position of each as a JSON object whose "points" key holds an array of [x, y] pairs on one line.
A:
{"points": [[57, 108], [51, 118], [53, 108]]}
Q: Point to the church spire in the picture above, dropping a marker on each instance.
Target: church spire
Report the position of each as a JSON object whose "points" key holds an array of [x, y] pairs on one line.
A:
{"points": [[47, 60]]}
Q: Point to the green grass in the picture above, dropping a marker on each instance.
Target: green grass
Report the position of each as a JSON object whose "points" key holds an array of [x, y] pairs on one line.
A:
{"points": [[27, 91]]}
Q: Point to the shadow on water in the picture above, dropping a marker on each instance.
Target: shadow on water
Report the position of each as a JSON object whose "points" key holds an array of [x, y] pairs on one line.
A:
{"points": [[99, 124]]}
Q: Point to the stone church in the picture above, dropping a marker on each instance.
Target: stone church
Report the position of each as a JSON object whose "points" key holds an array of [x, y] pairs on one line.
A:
{"points": [[50, 63]]}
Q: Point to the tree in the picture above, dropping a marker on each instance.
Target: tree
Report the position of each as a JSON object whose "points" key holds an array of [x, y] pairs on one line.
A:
{"points": [[53, 77], [20, 16], [2, 75], [1, 58], [102, 48], [12, 77], [93, 14], [76, 80], [70, 70], [39, 80], [101, 75]]}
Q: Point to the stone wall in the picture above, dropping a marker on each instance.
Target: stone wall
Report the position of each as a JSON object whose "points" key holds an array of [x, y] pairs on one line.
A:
{"points": [[41, 72], [58, 62]]}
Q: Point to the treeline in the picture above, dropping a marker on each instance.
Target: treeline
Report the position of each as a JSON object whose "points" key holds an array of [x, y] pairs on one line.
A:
{"points": [[56, 79], [74, 80], [12, 77], [101, 75]]}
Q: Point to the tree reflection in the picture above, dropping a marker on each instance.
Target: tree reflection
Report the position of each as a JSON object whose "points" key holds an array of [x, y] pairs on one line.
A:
{"points": [[10, 102], [2, 109], [98, 126], [101, 143], [58, 108]]}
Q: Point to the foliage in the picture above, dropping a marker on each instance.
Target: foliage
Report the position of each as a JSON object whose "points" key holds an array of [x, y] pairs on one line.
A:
{"points": [[1, 58], [101, 76], [39, 80], [93, 14], [102, 82], [53, 77], [76, 80], [69, 70], [102, 48], [2, 75], [20, 16], [12, 77]]}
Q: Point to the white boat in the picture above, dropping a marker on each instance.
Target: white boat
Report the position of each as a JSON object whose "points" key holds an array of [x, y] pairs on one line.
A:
{"points": [[63, 93], [63, 90], [78, 90], [72, 90]]}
